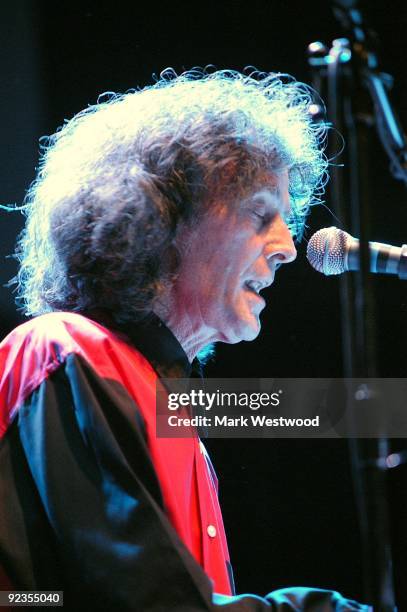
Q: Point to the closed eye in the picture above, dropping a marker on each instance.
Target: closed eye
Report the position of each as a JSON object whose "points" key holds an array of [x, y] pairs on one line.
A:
{"points": [[257, 214], [264, 218]]}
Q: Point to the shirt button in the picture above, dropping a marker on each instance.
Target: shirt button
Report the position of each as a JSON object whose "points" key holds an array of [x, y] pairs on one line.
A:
{"points": [[211, 531]]}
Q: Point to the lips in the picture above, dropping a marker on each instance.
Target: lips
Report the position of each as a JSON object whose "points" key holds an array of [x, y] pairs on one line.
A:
{"points": [[256, 285]]}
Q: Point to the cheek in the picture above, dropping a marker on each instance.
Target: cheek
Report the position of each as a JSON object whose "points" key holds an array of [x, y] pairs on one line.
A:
{"points": [[233, 274]]}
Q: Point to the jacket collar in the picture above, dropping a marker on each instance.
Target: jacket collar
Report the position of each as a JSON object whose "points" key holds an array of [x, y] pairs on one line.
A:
{"points": [[156, 342], [162, 349]]}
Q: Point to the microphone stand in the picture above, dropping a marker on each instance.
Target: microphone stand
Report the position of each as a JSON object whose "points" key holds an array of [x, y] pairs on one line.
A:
{"points": [[357, 100]]}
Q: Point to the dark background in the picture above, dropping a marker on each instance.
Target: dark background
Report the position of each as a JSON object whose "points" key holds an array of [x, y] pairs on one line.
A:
{"points": [[288, 505]]}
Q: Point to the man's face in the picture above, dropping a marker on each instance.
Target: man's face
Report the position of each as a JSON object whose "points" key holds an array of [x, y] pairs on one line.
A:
{"points": [[231, 256]]}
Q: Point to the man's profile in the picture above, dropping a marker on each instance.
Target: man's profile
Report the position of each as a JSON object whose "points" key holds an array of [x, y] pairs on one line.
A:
{"points": [[156, 219]]}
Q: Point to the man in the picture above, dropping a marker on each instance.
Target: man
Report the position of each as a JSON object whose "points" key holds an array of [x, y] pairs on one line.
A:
{"points": [[155, 220]]}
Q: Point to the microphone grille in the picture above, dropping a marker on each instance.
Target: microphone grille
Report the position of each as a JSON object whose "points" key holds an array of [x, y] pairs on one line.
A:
{"points": [[327, 250]]}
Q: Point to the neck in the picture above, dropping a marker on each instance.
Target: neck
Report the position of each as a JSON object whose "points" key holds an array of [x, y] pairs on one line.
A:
{"points": [[191, 333]]}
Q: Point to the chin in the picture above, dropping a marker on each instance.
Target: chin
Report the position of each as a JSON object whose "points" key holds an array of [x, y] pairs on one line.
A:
{"points": [[242, 333], [251, 334], [250, 327]]}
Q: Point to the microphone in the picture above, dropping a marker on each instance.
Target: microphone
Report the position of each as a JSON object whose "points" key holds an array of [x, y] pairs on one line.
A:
{"points": [[333, 251]]}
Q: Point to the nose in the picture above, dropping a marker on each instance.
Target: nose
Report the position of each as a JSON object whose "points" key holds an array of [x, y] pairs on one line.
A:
{"points": [[280, 245]]}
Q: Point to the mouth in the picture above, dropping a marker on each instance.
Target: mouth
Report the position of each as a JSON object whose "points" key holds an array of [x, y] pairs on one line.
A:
{"points": [[256, 286]]}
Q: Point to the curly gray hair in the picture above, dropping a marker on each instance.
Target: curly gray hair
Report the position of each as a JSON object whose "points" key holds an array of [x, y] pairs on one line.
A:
{"points": [[115, 181]]}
